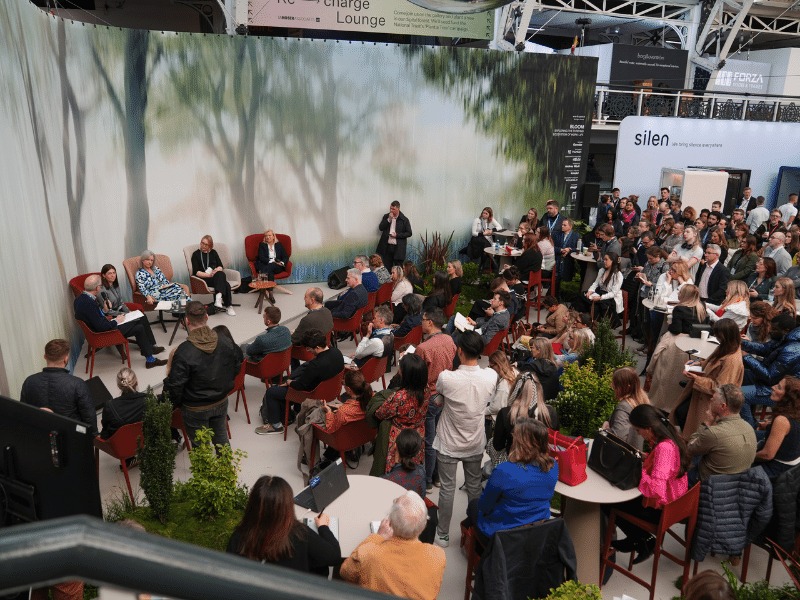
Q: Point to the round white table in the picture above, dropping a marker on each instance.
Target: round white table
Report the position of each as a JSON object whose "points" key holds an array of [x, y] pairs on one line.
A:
{"points": [[506, 233], [367, 499], [695, 346], [581, 512], [591, 268], [504, 256]]}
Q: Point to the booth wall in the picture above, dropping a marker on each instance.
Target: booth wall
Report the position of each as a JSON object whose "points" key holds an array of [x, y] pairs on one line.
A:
{"points": [[121, 140]]}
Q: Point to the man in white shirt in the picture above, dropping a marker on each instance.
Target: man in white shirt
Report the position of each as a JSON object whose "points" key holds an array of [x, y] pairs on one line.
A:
{"points": [[789, 210], [747, 203], [460, 435], [376, 342], [757, 216], [776, 251]]}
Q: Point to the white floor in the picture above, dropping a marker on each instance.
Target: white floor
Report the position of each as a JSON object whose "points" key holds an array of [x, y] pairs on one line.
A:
{"points": [[271, 455]]}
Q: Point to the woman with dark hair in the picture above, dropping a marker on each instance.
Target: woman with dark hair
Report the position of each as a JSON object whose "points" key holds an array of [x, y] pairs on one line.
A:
{"points": [[407, 472], [412, 311], [663, 480], [531, 258], [743, 261], [725, 365], [110, 298], [629, 394], [628, 216], [664, 230], [545, 243], [783, 294], [411, 273], [761, 314], [781, 451], [616, 223], [357, 394], [689, 215], [440, 295], [270, 533], [519, 490], [717, 236], [606, 291], [760, 283], [407, 407]]}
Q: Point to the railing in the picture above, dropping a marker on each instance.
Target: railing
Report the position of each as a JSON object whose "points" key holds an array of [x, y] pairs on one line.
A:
{"points": [[87, 549], [614, 103]]}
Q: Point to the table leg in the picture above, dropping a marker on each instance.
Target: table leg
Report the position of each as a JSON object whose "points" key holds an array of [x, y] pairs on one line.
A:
{"points": [[283, 290], [583, 520], [260, 300], [178, 321]]}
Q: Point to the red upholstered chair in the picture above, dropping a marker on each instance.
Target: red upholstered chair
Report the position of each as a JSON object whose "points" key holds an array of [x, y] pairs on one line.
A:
{"points": [[451, 308], [374, 369], [534, 283], [76, 285], [371, 302], [274, 364], [326, 390], [177, 423], [348, 437], [251, 243], [104, 339], [351, 325], [495, 342], [469, 543], [384, 293], [413, 337], [300, 353], [682, 510], [123, 445]]}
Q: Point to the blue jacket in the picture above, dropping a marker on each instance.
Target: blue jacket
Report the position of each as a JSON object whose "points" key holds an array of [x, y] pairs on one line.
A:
{"points": [[87, 310], [370, 281], [780, 359], [349, 302]]}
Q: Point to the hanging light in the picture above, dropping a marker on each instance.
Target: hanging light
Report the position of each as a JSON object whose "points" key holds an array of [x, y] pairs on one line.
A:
{"points": [[460, 6]]}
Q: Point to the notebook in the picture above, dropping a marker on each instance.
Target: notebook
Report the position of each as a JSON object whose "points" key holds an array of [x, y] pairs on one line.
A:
{"points": [[334, 526], [324, 488]]}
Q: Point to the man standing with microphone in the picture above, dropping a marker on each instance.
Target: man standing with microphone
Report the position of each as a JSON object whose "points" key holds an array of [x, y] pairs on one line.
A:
{"points": [[395, 229]]}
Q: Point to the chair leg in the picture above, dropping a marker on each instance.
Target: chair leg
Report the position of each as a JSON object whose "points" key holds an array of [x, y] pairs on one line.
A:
{"points": [[383, 380], [244, 402], [127, 479], [128, 353], [91, 360], [88, 356], [746, 562], [286, 419], [228, 425]]}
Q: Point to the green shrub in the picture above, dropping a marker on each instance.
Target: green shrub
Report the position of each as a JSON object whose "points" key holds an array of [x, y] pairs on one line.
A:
{"points": [[470, 275], [157, 457], [214, 486], [573, 590], [606, 351], [759, 590], [587, 399]]}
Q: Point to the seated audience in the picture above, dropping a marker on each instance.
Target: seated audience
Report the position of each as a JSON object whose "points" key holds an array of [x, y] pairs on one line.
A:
{"points": [[526, 400], [762, 280], [781, 450], [606, 291], [356, 396], [689, 311], [545, 243], [776, 250], [401, 287], [368, 279], [531, 258], [377, 267], [663, 480], [543, 363], [110, 297], [455, 272], [207, 265], [346, 305], [483, 229], [783, 294], [735, 306], [394, 561], [717, 237], [270, 533], [520, 489], [275, 338], [770, 227], [497, 318], [708, 585], [379, 339], [531, 219], [412, 309], [675, 238], [407, 472], [406, 408], [506, 378], [724, 444], [411, 273], [578, 341], [124, 409], [761, 314], [481, 307], [272, 256], [154, 285], [440, 295], [629, 394], [318, 316], [555, 323]]}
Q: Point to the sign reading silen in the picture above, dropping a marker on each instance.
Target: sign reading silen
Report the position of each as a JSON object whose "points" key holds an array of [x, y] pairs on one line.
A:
{"points": [[376, 16]]}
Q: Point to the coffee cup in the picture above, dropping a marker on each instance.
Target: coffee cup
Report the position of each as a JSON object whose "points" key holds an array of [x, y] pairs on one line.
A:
{"points": [[704, 336]]}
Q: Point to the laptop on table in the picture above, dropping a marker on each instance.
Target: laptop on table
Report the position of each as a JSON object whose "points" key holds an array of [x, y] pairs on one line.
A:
{"points": [[324, 488]]}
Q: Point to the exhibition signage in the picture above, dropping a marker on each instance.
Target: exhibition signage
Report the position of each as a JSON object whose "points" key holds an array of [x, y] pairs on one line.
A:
{"points": [[742, 76], [374, 16], [662, 66]]}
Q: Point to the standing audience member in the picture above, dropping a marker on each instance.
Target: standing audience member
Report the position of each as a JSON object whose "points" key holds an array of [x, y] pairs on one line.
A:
{"points": [[757, 216], [460, 435], [547, 249], [506, 378], [781, 450], [789, 210], [689, 252], [124, 409], [275, 338], [629, 394], [526, 401], [394, 561], [55, 389], [395, 230], [565, 242]]}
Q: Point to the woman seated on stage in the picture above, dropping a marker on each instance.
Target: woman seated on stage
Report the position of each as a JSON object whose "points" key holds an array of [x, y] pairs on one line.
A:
{"points": [[781, 451], [455, 271], [206, 264], [483, 229], [154, 285], [110, 298], [663, 480], [735, 306], [270, 533], [376, 266], [272, 256]]}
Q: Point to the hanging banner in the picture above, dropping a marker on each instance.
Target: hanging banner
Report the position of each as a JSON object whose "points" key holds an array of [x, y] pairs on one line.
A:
{"points": [[742, 76], [374, 16]]}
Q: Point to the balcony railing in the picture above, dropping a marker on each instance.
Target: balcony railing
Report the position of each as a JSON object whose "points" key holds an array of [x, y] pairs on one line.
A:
{"points": [[614, 103]]}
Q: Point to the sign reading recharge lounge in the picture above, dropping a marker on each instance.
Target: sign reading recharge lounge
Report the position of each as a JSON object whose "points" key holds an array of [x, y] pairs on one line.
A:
{"points": [[375, 16]]}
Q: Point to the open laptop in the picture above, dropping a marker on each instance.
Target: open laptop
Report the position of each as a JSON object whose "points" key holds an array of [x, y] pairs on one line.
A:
{"points": [[324, 488]]}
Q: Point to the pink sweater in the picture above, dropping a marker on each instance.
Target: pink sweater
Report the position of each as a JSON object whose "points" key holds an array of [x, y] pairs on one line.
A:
{"points": [[660, 482]]}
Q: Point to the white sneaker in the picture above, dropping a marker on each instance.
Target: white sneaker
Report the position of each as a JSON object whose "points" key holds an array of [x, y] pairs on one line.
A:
{"points": [[230, 311], [218, 302], [442, 540]]}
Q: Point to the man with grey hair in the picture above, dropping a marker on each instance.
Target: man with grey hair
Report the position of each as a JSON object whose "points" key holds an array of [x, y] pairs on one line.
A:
{"points": [[776, 250], [712, 276], [346, 305], [393, 560], [88, 310], [368, 279]]}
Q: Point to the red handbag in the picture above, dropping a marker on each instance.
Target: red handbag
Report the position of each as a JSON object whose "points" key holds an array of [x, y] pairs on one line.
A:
{"points": [[571, 456]]}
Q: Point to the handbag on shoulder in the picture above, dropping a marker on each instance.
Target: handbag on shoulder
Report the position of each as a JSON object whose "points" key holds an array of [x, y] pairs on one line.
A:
{"points": [[571, 456], [616, 460]]}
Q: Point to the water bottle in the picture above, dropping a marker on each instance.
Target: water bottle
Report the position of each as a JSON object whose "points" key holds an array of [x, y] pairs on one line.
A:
{"points": [[771, 298], [580, 246]]}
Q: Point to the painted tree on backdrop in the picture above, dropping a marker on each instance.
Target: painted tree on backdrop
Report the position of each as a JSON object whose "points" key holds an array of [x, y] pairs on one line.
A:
{"points": [[129, 104]]}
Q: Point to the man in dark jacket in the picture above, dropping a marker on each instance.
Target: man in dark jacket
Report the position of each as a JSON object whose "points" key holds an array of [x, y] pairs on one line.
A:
{"points": [[55, 389], [202, 374], [712, 276], [781, 357], [354, 298], [395, 229], [326, 363]]}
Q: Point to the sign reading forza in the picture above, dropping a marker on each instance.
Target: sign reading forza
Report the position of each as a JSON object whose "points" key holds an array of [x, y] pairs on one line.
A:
{"points": [[378, 16]]}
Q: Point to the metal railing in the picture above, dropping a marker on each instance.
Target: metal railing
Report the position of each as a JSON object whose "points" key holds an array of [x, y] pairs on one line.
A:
{"points": [[613, 103], [88, 549]]}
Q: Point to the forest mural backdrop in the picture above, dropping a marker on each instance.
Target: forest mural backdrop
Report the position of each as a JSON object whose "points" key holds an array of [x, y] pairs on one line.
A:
{"points": [[115, 141]]}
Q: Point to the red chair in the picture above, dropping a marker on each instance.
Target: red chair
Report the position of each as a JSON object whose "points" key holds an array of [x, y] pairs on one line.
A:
{"points": [[124, 444], [76, 285], [348, 437], [351, 325], [495, 342], [413, 337], [451, 308], [104, 339], [534, 282], [251, 243], [273, 365], [469, 543], [371, 302], [300, 353], [624, 332], [682, 510], [177, 423], [238, 387], [326, 390], [384, 293], [374, 369]]}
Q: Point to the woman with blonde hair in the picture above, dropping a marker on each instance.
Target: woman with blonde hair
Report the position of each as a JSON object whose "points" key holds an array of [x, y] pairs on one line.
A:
{"points": [[455, 272], [126, 408], [689, 311], [543, 363], [400, 288], [735, 306], [506, 378], [629, 394], [578, 340], [783, 293], [690, 251]]}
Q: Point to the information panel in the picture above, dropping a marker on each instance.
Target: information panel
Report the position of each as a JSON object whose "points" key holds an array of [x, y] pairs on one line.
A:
{"points": [[375, 16]]}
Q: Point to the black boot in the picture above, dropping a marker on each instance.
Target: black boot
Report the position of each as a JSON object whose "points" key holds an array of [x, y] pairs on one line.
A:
{"points": [[644, 549]]}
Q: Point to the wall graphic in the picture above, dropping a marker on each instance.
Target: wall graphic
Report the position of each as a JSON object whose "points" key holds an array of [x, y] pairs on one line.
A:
{"points": [[120, 140]]}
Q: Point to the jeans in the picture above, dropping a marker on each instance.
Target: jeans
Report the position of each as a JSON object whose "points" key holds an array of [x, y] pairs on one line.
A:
{"points": [[754, 395], [216, 418], [274, 405], [447, 473], [431, 419]]}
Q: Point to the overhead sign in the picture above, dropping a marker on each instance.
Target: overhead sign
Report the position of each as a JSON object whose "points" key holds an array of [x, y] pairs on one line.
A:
{"points": [[742, 76], [373, 16], [662, 66]]}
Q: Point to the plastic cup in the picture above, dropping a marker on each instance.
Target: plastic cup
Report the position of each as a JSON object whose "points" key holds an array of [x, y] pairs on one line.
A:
{"points": [[704, 336]]}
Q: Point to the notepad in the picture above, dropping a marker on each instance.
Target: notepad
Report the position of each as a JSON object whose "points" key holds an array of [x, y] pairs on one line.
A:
{"points": [[334, 526]]}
